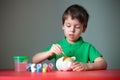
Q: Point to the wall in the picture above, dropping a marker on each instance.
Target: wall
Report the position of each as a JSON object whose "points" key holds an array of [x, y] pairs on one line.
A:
{"points": [[29, 26]]}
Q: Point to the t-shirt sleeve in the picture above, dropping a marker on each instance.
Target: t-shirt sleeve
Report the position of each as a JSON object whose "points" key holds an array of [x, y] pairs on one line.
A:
{"points": [[93, 53]]}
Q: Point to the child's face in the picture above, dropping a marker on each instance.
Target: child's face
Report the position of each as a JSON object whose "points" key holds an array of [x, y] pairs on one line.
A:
{"points": [[72, 29]]}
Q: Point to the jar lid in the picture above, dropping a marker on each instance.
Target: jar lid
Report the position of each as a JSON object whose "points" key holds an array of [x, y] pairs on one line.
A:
{"points": [[20, 58]]}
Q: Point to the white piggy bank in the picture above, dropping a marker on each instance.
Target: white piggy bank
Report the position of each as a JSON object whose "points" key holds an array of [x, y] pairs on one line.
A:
{"points": [[65, 64]]}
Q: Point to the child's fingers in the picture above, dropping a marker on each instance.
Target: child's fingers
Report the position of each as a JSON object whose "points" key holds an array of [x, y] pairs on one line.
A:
{"points": [[77, 66], [58, 45], [56, 48]]}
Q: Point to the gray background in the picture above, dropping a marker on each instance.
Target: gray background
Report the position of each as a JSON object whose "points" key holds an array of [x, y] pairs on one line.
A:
{"points": [[29, 26]]}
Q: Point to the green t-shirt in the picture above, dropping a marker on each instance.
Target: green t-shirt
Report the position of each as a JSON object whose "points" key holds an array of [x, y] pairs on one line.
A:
{"points": [[83, 51]]}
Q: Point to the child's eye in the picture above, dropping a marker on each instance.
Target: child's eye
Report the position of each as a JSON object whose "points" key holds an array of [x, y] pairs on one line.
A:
{"points": [[77, 27], [68, 26]]}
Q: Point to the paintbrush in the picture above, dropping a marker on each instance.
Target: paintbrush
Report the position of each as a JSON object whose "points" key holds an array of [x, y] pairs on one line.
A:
{"points": [[64, 56]]}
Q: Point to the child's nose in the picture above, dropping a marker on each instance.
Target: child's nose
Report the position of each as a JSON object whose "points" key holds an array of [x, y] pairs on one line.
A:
{"points": [[72, 29]]}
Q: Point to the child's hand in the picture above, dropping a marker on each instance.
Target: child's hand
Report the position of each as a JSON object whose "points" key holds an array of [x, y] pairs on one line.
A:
{"points": [[78, 66], [55, 49]]}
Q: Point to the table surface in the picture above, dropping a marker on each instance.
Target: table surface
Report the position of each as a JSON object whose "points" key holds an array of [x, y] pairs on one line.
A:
{"points": [[113, 74]]}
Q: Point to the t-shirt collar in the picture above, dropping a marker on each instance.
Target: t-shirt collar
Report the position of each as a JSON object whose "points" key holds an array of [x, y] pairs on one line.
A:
{"points": [[78, 42]]}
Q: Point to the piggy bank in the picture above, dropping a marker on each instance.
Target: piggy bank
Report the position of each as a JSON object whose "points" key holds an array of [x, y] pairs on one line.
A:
{"points": [[64, 64]]}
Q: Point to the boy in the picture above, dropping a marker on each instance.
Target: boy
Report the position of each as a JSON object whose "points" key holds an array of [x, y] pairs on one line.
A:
{"points": [[74, 23]]}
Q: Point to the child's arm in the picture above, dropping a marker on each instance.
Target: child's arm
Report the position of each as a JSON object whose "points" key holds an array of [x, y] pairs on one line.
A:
{"points": [[99, 63], [39, 57]]}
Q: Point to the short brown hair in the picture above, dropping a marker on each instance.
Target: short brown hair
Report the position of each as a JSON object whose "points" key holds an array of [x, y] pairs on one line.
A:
{"points": [[76, 12]]}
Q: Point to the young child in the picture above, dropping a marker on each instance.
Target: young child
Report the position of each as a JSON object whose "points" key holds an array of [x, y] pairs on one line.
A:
{"points": [[74, 23]]}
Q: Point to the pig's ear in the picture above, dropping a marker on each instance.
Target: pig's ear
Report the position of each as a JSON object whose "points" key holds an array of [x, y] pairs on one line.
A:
{"points": [[74, 58]]}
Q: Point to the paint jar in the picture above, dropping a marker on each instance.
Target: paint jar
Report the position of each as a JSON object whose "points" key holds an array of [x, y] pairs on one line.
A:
{"points": [[20, 63]]}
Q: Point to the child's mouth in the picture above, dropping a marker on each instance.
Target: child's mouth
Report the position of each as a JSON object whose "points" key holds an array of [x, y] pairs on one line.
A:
{"points": [[71, 35]]}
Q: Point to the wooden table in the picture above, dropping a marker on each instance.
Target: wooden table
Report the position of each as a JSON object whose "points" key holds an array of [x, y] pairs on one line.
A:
{"points": [[58, 75]]}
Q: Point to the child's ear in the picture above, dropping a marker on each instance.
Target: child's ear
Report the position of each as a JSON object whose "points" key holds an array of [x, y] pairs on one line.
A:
{"points": [[84, 29], [62, 27]]}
